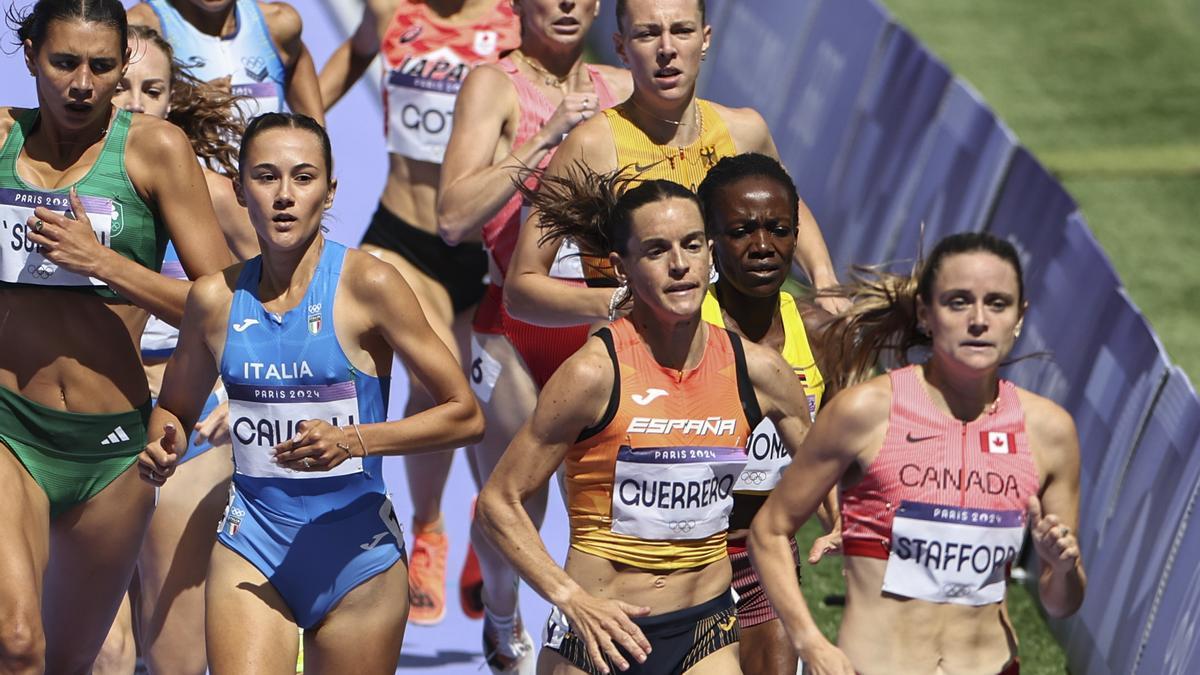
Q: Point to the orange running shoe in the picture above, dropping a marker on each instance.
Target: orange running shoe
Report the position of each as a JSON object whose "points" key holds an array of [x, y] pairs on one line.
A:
{"points": [[470, 586], [427, 578]]}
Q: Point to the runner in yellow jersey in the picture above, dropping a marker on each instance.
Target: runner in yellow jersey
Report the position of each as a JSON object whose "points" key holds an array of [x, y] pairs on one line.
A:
{"points": [[663, 131], [750, 206]]}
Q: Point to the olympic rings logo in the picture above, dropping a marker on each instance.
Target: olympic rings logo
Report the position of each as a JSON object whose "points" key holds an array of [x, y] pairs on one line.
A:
{"points": [[755, 476], [40, 271], [682, 526], [953, 590], [237, 513]]}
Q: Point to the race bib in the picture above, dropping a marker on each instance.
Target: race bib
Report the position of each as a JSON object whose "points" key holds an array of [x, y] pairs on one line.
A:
{"points": [[952, 554], [568, 264], [260, 98], [20, 261], [675, 493], [420, 103], [485, 371], [766, 458], [261, 416]]}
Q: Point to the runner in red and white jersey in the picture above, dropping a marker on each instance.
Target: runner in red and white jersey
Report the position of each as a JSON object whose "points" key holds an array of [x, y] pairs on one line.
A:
{"points": [[511, 116], [428, 48], [942, 467]]}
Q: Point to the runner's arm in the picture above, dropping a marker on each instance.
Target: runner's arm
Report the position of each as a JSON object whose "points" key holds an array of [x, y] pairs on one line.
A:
{"points": [[301, 89], [826, 453], [573, 400], [530, 293], [1055, 441], [455, 420], [350, 60]]}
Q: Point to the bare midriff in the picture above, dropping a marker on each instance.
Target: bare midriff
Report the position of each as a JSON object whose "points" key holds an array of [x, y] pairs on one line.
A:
{"points": [[661, 590], [411, 192]]}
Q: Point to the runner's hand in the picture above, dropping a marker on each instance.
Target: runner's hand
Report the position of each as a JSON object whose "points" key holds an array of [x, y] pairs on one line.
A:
{"points": [[317, 446], [575, 108], [824, 658], [1055, 542], [66, 241], [828, 544], [605, 624], [158, 461], [834, 304], [215, 427]]}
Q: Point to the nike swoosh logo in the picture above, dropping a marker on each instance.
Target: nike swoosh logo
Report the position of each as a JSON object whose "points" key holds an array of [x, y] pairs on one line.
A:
{"points": [[642, 168], [650, 395], [241, 327], [918, 439], [374, 542]]}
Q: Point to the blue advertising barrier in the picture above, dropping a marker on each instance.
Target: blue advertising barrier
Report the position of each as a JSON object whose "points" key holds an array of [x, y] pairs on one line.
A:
{"points": [[1131, 558], [752, 72], [956, 177], [842, 47], [1172, 642], [899, 102], [1127, 375]]}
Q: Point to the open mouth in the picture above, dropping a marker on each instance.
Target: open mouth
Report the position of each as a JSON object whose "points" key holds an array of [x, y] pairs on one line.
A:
{"points": [[283, 218], [682, 287], [81, 108], [667, 73]]}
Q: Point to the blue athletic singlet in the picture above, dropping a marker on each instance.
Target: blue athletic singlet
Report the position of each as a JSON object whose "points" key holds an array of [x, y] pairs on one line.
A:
{"points": [[248, 56], [314, 535]]}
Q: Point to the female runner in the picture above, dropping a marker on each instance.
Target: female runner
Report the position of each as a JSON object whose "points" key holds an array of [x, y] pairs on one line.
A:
{"points": [[942, 466], [174, 557], [253, 48], [89, 194], [303, 338], [512, 115], [652, 417], [750, 203], [428, 48]]}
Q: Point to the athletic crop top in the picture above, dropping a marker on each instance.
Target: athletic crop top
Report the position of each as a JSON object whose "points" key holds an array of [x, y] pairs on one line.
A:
{"points": [[425, 62], [687, 165], [944, 501], [651, 485], [766, 458], [248, 56], [119, 217], [280, 369], [500, 233]]}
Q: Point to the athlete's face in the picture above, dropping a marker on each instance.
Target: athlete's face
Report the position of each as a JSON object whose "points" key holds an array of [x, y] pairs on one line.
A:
{"points": [[667, 259], [756, 235], [146, 86], [285, 186], [77, 68], [562, 22], [662, 42], [973, 313]]}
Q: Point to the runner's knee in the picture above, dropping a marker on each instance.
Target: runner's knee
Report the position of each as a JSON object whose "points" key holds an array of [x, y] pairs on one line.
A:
{"points": [[22, 643]]}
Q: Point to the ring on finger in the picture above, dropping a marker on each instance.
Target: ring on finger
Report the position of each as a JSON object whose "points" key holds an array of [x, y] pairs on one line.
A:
{"points": [[38, 225], [307, 462]]}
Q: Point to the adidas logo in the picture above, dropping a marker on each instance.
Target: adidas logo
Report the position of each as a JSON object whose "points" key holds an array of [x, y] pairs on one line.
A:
{"points": [[117, 435]]}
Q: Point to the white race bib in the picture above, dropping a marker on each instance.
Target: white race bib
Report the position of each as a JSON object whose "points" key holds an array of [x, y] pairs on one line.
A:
{"points": [[674, 493], [950, 554], [261, 416], [261, 97], [568, 264], [420, 103], [485, 371], [20, 262], [766, 458]]}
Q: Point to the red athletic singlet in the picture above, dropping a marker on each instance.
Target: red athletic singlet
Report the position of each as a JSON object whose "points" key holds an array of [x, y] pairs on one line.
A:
{"points": [[944, 501], [426, 60]]}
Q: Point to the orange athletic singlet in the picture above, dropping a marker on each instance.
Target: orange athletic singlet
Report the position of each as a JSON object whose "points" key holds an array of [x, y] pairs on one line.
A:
{"points": [[651, 485], [944, 500], [687, 165], [426, 60]]}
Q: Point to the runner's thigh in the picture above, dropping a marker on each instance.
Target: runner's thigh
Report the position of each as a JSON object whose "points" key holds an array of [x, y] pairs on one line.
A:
{"points": [[364, 631], [248, 628], [24, 529]]}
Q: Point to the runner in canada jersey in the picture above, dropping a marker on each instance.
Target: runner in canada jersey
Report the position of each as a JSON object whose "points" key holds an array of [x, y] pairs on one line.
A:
{"points": [[425, 63], [942, 465]]}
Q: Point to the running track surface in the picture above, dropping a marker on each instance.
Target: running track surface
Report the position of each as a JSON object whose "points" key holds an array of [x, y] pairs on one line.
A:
{"points": [[360, 164]]}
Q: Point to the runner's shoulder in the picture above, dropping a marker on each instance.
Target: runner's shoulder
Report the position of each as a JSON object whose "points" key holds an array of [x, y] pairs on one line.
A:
{"points": [[282, 19], [863, 407], [1047, 423], [142, 14], [212, 293], [747, 127], [8, 117], [619, 81]]}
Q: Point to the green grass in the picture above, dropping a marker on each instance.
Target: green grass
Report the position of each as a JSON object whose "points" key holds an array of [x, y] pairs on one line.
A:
{"points": [[1040, 654], [1107, 94]]}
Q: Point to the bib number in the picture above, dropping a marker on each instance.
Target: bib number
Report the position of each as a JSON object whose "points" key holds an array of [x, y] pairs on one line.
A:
{"points": [[21, 262], [420, 115], [674, 493], [766, 459], [952, 555], [261, 416]]}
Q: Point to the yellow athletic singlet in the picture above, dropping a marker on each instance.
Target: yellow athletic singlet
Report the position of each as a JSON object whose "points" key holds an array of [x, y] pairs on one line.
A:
{"points": [[687, 165]]}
